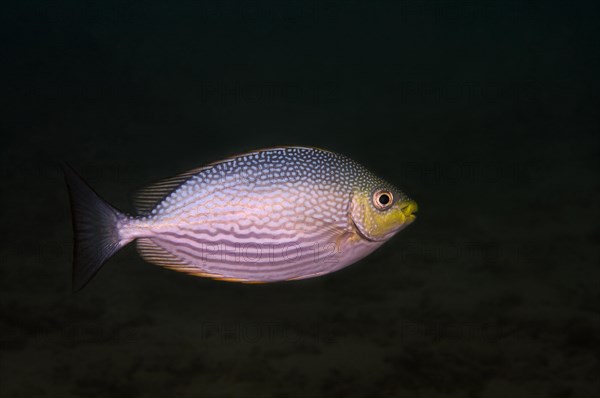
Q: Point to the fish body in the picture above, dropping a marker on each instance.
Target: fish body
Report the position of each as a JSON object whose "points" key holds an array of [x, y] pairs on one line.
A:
{"points": [[264, 216]]}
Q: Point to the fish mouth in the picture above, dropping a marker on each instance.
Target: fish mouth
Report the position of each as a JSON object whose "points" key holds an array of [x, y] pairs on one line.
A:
{"points": [[408, 208]]}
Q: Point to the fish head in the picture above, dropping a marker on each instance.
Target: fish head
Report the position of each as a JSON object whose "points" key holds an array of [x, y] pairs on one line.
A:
{"points": [[380, 212]]}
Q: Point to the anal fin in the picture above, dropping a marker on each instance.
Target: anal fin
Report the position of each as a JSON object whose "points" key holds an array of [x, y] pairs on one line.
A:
{"points": [[155, 254], [152, 252]]}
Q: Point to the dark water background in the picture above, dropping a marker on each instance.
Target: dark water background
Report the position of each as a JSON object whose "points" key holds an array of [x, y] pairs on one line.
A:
{"points": [[485, 112]]}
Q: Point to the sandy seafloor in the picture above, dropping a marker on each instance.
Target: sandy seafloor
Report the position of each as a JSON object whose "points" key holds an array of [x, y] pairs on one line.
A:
{"points": [[487, 116]]}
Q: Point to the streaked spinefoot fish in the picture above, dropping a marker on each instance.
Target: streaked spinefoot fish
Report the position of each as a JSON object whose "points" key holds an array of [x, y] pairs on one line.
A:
{"points": [[265, 216]]}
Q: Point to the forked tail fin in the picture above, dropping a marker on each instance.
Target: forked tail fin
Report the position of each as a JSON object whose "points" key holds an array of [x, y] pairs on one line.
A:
{"points": [[95, 227]]}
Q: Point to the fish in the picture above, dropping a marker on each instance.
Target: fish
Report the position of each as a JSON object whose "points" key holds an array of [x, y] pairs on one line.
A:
{"points": [[270, 215]]}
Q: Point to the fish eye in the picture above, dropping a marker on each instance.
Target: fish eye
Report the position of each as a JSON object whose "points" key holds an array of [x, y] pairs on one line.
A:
{"points": [[382, 199]]}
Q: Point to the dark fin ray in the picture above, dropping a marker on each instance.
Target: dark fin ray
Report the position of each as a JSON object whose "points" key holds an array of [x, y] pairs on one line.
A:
{"points": [[94, 226]]}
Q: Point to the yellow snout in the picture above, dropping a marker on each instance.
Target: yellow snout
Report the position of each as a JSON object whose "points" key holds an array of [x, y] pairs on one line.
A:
{"points": [[408, 208]]}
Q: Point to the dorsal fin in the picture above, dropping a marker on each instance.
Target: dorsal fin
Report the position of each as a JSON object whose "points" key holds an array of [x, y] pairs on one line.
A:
{"points": [[148, 197]]}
